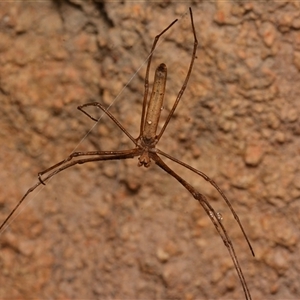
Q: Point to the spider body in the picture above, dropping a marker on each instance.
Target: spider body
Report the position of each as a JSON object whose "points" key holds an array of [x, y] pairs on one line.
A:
{"points": [[146, 151]]}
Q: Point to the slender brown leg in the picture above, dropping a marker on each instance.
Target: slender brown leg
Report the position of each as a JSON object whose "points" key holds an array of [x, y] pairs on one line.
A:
{"points": [[216, 187], [213, 217], [146, 84], [109, 114], [180, 93], [105, 154], [125, 155]]}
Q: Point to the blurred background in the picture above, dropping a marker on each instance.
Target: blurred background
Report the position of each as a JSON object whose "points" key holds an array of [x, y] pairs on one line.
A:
{"points": [[111, 230]]}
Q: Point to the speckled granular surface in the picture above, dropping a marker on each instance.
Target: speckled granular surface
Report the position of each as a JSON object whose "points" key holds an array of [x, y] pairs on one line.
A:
{"points": [[111, 230]]}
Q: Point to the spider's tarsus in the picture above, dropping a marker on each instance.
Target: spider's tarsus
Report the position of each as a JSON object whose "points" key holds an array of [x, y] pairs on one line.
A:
{"points": [[81, 109]]}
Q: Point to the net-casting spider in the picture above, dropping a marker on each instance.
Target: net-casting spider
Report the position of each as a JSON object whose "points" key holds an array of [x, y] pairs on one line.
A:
{"points": [[146, 151]]}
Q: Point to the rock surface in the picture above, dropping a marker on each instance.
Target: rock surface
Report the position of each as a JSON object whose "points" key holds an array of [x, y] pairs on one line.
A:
{"points": [[111, 230]]}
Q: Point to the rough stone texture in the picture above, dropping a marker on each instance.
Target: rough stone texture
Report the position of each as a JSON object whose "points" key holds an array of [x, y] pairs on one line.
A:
{"points": [[111, 230]]}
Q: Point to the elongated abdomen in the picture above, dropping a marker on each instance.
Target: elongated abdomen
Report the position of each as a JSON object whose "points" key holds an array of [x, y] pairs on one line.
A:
{"points": [[155, 102]]}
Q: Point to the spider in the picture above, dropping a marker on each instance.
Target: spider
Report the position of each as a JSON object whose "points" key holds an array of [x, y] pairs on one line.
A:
{"points": [[146, 151]]}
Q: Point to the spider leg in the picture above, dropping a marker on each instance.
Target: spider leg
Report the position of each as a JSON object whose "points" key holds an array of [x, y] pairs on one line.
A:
{"points": [[101, 155], [87, 153], [180, 93], [109, 114], [146, 84], [213, 217], [204, 176]]}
